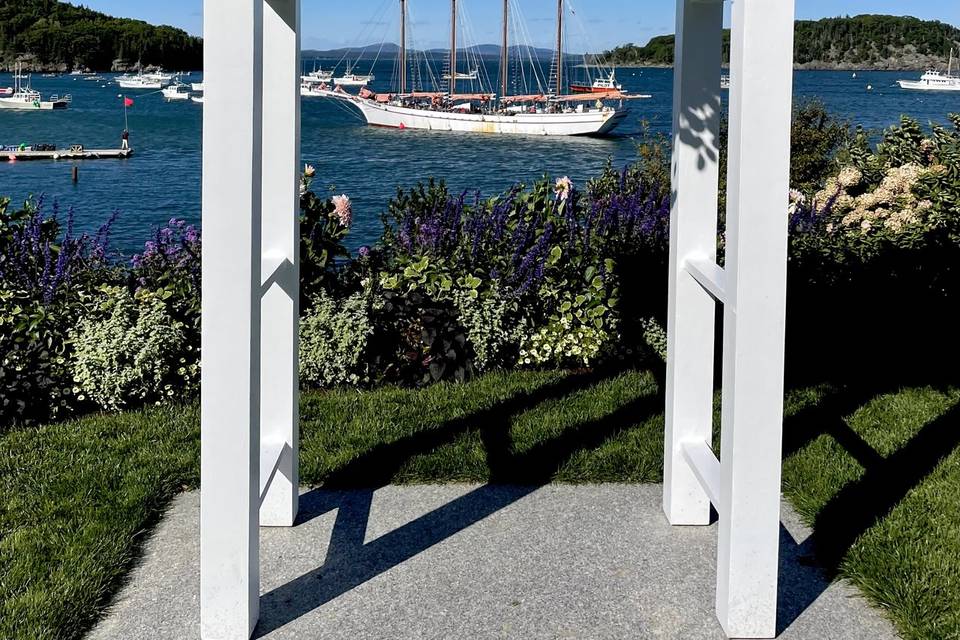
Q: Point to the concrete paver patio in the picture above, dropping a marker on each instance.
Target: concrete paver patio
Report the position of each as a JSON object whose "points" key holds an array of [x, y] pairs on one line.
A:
{"points": [[470, 561]]}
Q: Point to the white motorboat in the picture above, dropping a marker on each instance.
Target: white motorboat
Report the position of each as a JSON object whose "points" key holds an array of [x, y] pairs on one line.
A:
{"points": [[197, 99], [160, 76], [472, 75], [24, 98], [351, 79], [934, 80], [197, 86], [176, 93], [317, 75], [140, 82]]}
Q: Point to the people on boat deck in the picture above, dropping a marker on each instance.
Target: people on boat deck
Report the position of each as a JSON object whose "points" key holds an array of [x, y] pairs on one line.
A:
{"points": [[125, 140]]}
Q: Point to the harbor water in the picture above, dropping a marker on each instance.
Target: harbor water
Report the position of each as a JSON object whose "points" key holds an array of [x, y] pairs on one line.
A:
{"points": [[162, 180]]}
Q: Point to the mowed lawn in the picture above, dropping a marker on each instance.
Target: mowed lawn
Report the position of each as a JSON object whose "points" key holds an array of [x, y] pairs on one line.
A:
{"points": [[875, 471]]}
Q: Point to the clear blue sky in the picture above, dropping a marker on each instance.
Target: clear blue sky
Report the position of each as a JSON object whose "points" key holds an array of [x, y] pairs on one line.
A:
{"points": [[603, 23]]}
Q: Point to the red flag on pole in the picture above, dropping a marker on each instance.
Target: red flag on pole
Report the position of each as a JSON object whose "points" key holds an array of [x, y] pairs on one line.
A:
{"points": [[127, 102]]}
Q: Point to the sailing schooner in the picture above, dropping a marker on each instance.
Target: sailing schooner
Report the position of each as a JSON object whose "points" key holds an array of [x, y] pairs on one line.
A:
{"points": [[553, 113]]}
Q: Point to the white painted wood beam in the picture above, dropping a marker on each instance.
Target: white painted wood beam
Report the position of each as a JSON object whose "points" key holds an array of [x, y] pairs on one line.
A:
{"points": [[705, 467], [761, 97], [230, 335], [708, 275], [693, 231], [280, 305]]}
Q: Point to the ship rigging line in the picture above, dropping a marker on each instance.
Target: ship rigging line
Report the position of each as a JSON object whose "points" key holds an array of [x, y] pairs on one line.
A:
{"points": [[369, 26], [520, 24]]}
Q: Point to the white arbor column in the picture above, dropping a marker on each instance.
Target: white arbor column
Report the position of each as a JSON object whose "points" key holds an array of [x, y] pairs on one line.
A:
{"points": [[230, 383], [693, 233], [761, 102], [280, 309], [744, 484]]}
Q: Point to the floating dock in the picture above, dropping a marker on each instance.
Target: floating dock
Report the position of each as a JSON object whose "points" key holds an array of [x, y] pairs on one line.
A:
{"points": [[74, 153]]}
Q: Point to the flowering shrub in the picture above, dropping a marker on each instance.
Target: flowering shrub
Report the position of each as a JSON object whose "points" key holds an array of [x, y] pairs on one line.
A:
{"points": [[129, 350], [334, 335], [323, 226], [170, 266], [880, 241], [493, 323], [46, 274], [542, 260]]}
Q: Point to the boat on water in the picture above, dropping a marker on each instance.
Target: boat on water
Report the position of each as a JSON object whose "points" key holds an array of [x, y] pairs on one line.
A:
{"points": [[24, 98], [470, 75], [935, 80], [176, 93], [197, 86], [725, 82], [600, 85], [140, 82], [548, 112], [317, 75], [351, 79], [197, 99]]}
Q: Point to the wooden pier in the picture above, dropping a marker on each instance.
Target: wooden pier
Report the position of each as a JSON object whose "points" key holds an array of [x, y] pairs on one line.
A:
{"points": [[74, 153]]}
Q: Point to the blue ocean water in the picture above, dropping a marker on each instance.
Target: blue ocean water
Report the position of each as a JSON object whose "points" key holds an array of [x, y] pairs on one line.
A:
{"points": [[162, 180]]}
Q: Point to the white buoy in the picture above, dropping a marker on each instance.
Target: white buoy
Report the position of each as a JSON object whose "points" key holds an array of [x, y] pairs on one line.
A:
{"points": [[869, 87]]}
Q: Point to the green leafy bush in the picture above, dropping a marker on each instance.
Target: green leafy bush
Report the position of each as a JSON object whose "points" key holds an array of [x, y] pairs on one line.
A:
{"points": [[334, 338], [130, 351]]}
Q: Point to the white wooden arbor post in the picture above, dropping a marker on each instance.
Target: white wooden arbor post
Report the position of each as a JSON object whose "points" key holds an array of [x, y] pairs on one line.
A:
{"points": [[744, 484], [249, 417]]}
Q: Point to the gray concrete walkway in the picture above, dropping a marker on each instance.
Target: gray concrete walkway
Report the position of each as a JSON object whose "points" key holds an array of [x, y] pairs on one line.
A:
{"points": [[480, 562]]}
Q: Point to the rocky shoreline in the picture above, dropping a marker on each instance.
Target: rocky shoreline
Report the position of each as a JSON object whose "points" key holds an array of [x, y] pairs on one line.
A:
{"points": [[32, 65]]}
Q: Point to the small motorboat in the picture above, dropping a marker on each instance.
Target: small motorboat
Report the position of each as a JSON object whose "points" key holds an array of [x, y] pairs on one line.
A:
{"points": [[176, 93]]}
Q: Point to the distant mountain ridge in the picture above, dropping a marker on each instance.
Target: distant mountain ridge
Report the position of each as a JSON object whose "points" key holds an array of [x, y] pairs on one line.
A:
{"points": [[878, 42], [49, 35]]}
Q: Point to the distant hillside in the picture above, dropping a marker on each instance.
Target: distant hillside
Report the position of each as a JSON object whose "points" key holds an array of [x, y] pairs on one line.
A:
{"points": [[48, 35], [390, 51], [860, 42]]}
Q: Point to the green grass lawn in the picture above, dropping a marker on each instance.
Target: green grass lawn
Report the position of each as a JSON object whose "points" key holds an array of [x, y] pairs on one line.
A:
{"points": [[876, 473]]}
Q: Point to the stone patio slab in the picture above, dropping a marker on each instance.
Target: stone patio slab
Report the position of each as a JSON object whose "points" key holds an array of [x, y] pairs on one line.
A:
{"points": [[471, 561]]}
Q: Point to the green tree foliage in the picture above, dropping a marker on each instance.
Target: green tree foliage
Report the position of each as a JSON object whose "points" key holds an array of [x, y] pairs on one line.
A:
{"points": [[59, 33], [865, 39]]}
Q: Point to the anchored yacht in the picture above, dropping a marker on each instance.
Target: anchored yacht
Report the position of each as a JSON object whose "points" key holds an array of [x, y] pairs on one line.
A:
{"points": [[934, 80]]}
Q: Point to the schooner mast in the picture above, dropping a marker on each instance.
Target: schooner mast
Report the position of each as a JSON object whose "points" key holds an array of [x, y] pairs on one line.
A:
{"points": [[453, 47], [403, 46], [559, 47], [504, 50]]}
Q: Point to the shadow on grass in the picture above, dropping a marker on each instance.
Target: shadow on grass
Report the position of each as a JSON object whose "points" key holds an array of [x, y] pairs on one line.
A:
{"points": [[861, 504], [350, 562]]}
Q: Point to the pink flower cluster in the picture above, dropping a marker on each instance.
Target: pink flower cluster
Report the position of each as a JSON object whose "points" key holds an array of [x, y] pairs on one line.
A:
{"points": [[342, 210]]}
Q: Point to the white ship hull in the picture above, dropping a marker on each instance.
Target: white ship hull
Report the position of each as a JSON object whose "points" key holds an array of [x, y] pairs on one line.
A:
{"points": [[42, 105], [153, 85], [923, 85], [585, 123]]}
